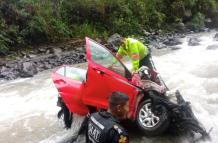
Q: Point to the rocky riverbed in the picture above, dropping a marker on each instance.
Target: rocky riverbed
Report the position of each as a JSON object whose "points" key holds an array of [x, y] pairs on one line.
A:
{"points": [[43, 58], [51, 56]]}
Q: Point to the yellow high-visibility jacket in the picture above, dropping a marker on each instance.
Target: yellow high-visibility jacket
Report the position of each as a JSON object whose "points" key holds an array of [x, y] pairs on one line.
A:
{"points": [[135, 50]]}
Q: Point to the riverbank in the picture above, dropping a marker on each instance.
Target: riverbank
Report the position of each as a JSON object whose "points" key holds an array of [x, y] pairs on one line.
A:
{"points": [[29, 63], [27, 23]]}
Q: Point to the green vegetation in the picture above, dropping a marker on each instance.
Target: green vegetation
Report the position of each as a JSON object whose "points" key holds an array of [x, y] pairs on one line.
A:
{"points": [[29, 22]]}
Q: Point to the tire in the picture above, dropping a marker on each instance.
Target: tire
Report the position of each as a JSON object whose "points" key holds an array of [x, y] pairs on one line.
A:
{"points": [[152, 124]]}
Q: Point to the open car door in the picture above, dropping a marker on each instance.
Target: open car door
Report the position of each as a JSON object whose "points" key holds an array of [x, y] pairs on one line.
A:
{"points": [[105, 75]]}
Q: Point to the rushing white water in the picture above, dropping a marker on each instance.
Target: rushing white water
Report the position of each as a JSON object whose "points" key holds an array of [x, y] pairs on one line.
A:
{"points": [[28, 106], [194, 71]]}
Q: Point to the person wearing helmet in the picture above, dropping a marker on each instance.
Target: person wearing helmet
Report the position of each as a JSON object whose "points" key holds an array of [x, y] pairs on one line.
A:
{"points": [[104, 127], [136, 51]]}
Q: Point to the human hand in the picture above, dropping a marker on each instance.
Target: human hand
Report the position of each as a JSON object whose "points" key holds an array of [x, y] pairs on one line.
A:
{"points": [[133, 72]]}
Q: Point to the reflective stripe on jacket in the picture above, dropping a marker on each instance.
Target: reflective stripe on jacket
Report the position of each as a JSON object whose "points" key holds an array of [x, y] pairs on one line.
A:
{"points": [[135, 50]]}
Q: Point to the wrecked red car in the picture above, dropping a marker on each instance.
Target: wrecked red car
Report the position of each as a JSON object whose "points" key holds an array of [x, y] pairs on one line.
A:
{"points": [[84, 90]]}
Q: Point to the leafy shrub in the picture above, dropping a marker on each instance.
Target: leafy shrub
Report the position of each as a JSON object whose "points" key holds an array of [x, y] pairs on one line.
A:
{"points": [[36, 30], [37, 21], [198, 21], [89, 30], [58, 30]]}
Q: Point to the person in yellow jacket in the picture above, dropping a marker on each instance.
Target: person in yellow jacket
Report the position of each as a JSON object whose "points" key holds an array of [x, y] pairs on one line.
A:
{"points": [[136, 51]]}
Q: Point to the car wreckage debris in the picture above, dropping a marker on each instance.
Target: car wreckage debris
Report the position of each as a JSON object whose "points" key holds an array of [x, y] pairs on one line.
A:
{"points": [[183, 118]]}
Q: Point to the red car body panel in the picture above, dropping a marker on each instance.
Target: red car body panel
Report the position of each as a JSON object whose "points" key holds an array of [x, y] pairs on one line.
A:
{"points": [[71, 92]]}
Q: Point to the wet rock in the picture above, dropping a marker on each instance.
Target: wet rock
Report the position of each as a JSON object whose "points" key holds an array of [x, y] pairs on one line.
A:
{"points": [[114, 39], [40, 65], [81, 50], [146, 33], [42, 49], [39, 69], [216, 37], [34, 51], [204, 29], [175, 48], [212, 47], [12, 65], [72, 55], [172, 42], [158, 45], [52, 61], [9, 73], [2, 63], [23, 53], [98, 40], [31, 65], [25, 56], [18, 58], [57, 51], [4, 69], [194, 41], [47, 65], [28, 69], [32, 55], [181, 36], [82, 56], [48, 51], [179, 27]]}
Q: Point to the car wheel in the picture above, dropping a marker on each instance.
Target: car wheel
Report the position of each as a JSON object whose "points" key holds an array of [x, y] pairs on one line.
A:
{"points": [[152, 123]]}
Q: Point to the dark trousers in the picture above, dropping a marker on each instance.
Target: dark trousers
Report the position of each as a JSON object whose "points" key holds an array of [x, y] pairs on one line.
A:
{"points": [[146, 62]]}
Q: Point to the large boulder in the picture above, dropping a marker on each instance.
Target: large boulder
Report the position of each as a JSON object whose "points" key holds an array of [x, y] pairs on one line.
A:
{"points": [[9, 73], [212, 47], [28, 69], [194, 41], [4, 72], [172, 42], [113, 41]]}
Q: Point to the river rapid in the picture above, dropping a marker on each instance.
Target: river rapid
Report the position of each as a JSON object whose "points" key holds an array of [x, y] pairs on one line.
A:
{"points": [[28, 106]]}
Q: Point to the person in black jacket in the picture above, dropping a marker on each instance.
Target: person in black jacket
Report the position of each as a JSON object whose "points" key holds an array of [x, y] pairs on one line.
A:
{"points": [[104, 127]]}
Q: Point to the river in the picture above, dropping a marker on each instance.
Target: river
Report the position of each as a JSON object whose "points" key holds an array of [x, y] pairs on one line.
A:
{"points": [[28, 106]]}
